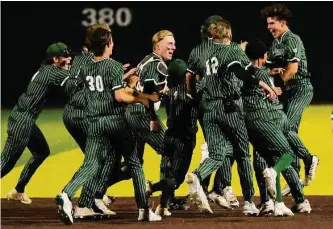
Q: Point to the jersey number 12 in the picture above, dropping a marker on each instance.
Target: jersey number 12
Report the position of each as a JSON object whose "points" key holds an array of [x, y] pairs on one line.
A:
{"points": [[211, 66]]}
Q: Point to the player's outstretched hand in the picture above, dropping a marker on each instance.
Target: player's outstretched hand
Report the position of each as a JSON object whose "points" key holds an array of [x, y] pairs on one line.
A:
{"points": [[129, 73], [277, 90], [126, 66], [243, 45], [271, 93]]}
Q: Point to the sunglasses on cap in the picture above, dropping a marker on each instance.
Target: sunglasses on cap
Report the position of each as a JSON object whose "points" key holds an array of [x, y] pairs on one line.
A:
{"points": [[65, 53]]}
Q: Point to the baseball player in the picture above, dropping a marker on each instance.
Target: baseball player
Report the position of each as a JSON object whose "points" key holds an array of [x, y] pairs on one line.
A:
{"points": [[180, 137], [263, 131], [22, 129], [152, 72], [108, 131], [223, 120], [287, 56], [244, 164], [77, 125]]}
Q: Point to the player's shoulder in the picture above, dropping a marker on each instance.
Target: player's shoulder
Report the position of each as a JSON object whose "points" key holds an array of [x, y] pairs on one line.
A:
{"points": [[292, 37], [199, 48], [153, 62], [82, 56]]}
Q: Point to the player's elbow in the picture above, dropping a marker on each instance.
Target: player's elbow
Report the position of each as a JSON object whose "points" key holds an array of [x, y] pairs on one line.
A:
{"points": [[293, 68], [123, 96]]}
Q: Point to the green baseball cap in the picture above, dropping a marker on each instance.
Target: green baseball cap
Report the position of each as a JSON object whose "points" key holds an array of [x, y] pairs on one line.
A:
{"points": [[57, 49]]}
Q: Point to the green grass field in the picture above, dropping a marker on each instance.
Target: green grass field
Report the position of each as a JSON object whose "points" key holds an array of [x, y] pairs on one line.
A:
{"points": [[65, 157]]}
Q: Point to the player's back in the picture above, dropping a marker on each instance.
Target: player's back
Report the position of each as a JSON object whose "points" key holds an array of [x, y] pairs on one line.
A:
{"points": [[31, 102], [74, 85], [102, 78], [254, 96], [218, 82]]}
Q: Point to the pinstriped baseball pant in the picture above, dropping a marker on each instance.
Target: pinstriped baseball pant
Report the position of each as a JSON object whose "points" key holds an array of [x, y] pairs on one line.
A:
{"points": [[298, 98], [267, 137], [23, 132], [223, 129], [180, 150], [77, 126], [106, 136], [140, 124]]}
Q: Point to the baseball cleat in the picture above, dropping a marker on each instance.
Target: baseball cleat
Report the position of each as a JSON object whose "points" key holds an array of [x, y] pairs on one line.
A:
{"points": [[197, 195], [250, 209], [22, 197], [148, 215], [64, 208]]}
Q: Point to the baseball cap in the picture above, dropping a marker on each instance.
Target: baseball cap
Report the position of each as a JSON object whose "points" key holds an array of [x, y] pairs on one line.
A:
{"points": [[255, 49], [58, 49]]}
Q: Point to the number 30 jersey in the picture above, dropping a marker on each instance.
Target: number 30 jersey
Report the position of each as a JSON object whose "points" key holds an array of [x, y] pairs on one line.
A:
{"points": [[102, 78]]}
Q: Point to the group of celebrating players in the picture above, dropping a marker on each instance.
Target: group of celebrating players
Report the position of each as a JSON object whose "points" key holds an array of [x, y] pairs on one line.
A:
{"points": [[227, 87]]}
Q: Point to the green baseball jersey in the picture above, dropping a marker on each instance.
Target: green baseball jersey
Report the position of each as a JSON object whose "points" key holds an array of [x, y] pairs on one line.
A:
{"points": [[74, 85], [289, 48], [102, 78], [254, 96], [181, 111], [194, 61], [31, 102], [151, 68], [218, 82]]}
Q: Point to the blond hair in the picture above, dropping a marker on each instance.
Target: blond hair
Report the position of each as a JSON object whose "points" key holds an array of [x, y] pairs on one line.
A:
{"points": [[221, 30], [160, 35]]}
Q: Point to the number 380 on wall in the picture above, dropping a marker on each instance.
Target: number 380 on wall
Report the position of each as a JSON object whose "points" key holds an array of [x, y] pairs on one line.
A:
{"points": [[121, 17]]}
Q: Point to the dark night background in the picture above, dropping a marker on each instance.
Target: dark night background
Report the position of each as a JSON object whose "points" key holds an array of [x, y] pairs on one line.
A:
{"points": [[29, 27]]}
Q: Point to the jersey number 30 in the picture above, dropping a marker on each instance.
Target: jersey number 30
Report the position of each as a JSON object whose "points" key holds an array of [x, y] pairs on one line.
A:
{"points": [[211, 66], [95, 83]]}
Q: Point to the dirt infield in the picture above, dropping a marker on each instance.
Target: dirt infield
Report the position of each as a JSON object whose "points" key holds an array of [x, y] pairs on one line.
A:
{"points": [[42, 213]]}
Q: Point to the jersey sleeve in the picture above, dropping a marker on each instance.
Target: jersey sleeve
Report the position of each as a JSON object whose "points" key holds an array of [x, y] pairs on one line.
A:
{"points": [[237, 56], [117, 73], [60, 76], [293, 49], [262, 74], [37, 89], [193, 63]]}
